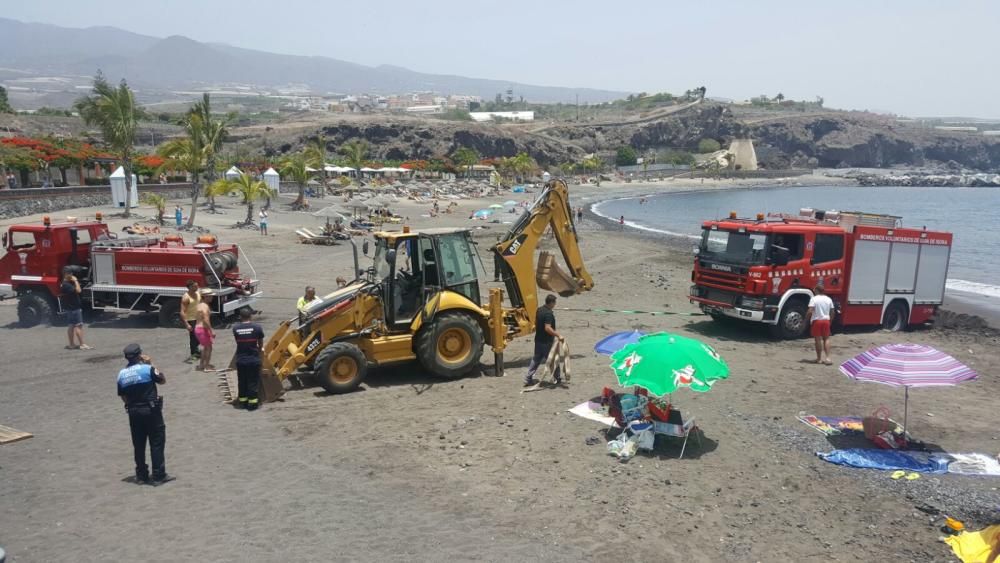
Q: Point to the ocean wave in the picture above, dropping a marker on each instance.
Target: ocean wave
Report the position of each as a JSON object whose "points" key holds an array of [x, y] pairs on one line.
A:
{"points": [[966, 286]]}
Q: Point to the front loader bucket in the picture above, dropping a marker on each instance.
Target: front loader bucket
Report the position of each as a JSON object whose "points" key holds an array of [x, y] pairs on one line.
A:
{"points": [[271, 388], [551, 277]]}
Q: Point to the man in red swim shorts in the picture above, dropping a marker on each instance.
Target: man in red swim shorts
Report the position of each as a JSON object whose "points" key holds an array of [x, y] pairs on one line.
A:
{"points": [[820, 315]]}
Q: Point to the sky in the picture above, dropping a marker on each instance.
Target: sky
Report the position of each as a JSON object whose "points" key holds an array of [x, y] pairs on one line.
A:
{"points": [[913, 57]]}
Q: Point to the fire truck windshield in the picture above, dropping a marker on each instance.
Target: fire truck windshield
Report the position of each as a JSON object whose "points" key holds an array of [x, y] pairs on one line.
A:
{"points": [[733, 247]]}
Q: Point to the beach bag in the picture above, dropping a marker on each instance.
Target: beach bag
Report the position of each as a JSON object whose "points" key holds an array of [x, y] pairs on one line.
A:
{"points": [[877, 423], [634, 407]]}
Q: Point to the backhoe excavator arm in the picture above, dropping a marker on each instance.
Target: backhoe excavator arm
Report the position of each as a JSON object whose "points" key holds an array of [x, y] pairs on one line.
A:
{"points": [[517, 253]]}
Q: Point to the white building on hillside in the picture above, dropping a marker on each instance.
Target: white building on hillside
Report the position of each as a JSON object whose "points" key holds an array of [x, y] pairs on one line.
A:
{"points": [[511, 115]]}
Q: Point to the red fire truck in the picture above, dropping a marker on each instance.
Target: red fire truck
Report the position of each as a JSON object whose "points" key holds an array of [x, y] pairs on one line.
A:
{"points": [[146, 274], [875, 270]]}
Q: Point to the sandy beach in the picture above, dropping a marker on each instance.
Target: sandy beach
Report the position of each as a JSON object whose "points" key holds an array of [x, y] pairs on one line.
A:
{"points": [[413, 468]]}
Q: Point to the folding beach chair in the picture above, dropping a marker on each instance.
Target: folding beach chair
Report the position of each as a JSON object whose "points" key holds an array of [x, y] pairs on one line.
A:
{"points": [[682, 430]]}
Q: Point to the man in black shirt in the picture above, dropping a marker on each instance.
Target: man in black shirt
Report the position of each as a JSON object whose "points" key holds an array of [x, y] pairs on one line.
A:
{"points": [[545, 335], [69, 296], [137, 388], [249, 343]]}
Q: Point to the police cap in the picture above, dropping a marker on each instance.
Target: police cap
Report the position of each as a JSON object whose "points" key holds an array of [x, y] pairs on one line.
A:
{"points": [[132, 350]]}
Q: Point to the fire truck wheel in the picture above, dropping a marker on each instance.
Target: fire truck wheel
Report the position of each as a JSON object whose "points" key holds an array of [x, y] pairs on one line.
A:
{"points": [[792, 322], [341, 367], [34, 309], [896, 317], [170, 313]]}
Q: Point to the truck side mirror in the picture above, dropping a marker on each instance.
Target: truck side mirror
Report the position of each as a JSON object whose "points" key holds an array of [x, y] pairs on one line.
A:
{"points": [[390, 256], [5, 240], [364, 247]]}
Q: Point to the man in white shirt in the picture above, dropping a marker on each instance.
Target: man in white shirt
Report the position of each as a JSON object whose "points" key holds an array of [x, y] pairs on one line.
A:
{"points": [[820, 316]]}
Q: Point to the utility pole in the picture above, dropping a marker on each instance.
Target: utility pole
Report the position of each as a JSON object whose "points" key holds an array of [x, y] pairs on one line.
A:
{"points": [[578, 106]]}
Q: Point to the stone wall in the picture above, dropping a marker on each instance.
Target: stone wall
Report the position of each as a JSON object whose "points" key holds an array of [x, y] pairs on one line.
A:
{"points": [[18, 203]]}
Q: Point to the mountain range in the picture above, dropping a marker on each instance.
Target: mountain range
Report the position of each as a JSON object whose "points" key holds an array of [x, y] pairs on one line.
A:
{"points": [[177, 62]]}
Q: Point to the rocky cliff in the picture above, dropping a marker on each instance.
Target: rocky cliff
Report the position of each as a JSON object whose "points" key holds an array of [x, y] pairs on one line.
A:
{"points": [[828, 139]]}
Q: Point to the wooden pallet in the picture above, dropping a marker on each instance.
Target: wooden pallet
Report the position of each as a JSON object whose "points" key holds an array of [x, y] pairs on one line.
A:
{"points": [[9, 435]]}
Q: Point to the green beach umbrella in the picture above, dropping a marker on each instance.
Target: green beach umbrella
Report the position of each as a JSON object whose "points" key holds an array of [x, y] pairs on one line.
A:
{"points": [[662, 363]]}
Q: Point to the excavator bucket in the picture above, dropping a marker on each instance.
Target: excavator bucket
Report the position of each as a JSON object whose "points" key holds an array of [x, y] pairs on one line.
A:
{"points": [[271, 388], [551, 277]]}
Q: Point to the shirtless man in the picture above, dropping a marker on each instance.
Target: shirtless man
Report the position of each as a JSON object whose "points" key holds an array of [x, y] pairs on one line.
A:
{"points": [[203, 331]]}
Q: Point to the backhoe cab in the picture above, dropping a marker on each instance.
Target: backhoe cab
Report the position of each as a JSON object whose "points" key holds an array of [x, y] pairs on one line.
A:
{"points": [[421, 300]]}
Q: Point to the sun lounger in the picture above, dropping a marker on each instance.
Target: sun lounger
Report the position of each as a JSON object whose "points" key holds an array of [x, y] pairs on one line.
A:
{"points": [[308, 237]]}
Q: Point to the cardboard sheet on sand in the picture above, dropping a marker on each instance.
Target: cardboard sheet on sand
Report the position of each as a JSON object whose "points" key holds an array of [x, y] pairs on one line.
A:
{"points": [[593, 411], [9, 435]]}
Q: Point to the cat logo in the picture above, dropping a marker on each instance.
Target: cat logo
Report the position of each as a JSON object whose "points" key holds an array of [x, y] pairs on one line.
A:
{"points": [[516, 245]]}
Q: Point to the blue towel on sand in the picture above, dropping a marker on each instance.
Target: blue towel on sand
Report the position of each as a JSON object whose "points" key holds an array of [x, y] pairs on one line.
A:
{"points": [[884, 459]]}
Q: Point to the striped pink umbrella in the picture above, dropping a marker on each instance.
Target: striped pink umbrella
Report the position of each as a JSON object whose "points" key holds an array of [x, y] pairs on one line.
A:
{"points": [[907, 365]]}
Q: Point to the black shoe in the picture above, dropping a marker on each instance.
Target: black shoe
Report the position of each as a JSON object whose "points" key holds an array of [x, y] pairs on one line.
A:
{"points": [[142, 478], [530, 383], [157, 481]]}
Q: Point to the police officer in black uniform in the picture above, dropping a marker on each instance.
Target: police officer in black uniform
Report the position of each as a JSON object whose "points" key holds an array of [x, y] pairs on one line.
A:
{"points": [[137, 388]]}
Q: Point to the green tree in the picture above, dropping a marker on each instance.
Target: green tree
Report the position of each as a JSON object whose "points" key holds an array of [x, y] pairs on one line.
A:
{"points": [[188, 154], [780, 97], [4, 102], [115, 112], [567, 168], [158, 202], [708, 145], [315, 153], [295, 168], [214, 132], [467, 157], [523, 165], [625, 156], [249, 189], [355, 154]]}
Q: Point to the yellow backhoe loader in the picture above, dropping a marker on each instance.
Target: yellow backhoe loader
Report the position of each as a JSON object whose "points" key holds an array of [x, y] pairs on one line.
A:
{"points": [[420, 300]]}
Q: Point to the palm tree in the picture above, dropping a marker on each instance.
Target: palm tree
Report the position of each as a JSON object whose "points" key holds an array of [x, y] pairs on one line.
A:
{"points": [[523, 165], [251, 190], [159, 203], [355, 154], [467, 157], [188, 154], [214, 133], [315, 153], [114, 111], [594, 164], [294, 167]]}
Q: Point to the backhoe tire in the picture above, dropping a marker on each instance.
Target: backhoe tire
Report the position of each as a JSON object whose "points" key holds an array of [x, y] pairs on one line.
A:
{"points": [[170, 314], [792, 323], [340, 368], [450, 347], [34, 309]]}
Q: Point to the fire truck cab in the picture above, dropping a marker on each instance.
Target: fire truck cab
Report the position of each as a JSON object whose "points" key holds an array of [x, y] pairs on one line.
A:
{"points": [[764, 269]]}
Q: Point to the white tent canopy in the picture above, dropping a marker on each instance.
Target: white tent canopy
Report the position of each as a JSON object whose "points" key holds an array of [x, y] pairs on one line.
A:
{"points": [[272, 179], [233, 173], [118, 188]]}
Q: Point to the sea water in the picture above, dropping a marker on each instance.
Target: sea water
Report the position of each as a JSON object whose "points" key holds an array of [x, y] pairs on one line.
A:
{"points": [[970, 213]]}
